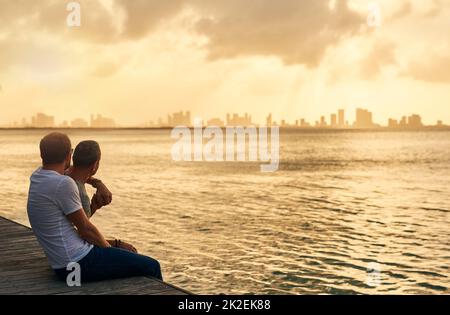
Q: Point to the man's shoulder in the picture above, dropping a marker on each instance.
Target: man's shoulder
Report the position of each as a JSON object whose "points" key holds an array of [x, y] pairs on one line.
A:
{"points": [[67, 182], [60, 183], [37, 173], [79, 184], [44, 177]]}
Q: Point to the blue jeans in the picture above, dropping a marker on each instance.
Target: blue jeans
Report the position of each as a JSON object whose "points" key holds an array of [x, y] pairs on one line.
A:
{"points": [[112, 263]]}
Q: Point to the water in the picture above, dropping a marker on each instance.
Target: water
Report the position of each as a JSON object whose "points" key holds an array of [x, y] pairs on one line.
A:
{"points": [[347, 212]]}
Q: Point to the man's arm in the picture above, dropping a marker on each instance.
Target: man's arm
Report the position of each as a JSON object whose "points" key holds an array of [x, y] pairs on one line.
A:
{"points": [[86, 229], [94, 205]]}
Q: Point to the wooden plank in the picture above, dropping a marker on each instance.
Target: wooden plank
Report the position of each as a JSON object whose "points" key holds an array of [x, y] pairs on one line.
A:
{"points": [[24, 269], [123, 286], [32, 263], [29, 241]]}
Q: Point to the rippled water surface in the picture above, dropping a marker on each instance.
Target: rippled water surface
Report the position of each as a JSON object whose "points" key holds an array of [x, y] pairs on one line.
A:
{"points": [[347, 212]]}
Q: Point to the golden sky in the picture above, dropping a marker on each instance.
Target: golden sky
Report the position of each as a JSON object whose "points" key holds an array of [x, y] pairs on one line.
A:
{"points": [[136, 60]]}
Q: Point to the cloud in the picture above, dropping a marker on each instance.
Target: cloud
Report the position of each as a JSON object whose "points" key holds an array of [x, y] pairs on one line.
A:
{"points": [[424, 9], [14, 12], [23, 17], [123, 20], [106, 69], [436, 8], [299, 32], [141, 16], [381, 54], [431, 67], [405, 10], [296, 32], [15, 51]]}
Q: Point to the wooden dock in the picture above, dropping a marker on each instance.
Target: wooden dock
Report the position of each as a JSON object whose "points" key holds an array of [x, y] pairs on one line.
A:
{"points": [[24, 269]]}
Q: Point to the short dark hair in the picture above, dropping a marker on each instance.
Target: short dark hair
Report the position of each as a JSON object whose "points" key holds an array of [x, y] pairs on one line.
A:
{"points": [[55, 148], [86, 153]]}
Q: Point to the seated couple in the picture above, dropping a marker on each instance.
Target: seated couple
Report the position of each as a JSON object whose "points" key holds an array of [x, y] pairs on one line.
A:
{"points": [[59, 209]]}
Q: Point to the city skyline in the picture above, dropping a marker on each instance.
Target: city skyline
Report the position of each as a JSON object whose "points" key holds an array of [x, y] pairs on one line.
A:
{"points": [[134, 59], [337, 120]]}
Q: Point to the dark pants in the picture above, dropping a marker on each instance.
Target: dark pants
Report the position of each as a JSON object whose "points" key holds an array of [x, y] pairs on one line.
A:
{"points": [[112, 263]]}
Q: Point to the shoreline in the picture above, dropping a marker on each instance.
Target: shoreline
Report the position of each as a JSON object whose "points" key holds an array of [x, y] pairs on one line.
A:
{"points": [[286, 128]]}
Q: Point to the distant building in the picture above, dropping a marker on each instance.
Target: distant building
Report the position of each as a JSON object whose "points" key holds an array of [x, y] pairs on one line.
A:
{"points": [[216, 122], [333, 120], [323, 122], [79, 123], [415, 121], [303, 123], [403, 122], [392, 123], [42, 121], [341, 118], [269, 120], [236, 120], [102, 122], [363, 119], [179, 119], [439, 123]]}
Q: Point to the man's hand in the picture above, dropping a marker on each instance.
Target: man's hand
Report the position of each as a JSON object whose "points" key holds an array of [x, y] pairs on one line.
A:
{"points": [[123, 245], [103, 196], [94, 205], [128, 247]]}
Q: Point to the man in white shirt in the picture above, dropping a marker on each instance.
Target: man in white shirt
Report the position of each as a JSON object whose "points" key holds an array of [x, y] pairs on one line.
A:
{"points": [[62, 228]]}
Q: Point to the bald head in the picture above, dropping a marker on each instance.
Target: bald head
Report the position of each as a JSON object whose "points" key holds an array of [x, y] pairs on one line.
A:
{"points": [[55, 148]]}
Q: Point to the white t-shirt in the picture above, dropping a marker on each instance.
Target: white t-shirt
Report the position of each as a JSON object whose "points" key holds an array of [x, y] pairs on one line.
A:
{"points": [[51, 198]]}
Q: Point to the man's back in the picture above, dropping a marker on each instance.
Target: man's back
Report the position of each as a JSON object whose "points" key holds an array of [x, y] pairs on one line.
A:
{"points": [[51, 198]]}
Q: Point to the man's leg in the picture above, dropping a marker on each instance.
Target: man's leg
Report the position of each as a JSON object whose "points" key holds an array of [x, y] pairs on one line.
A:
{"points": [[111, 263]]}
